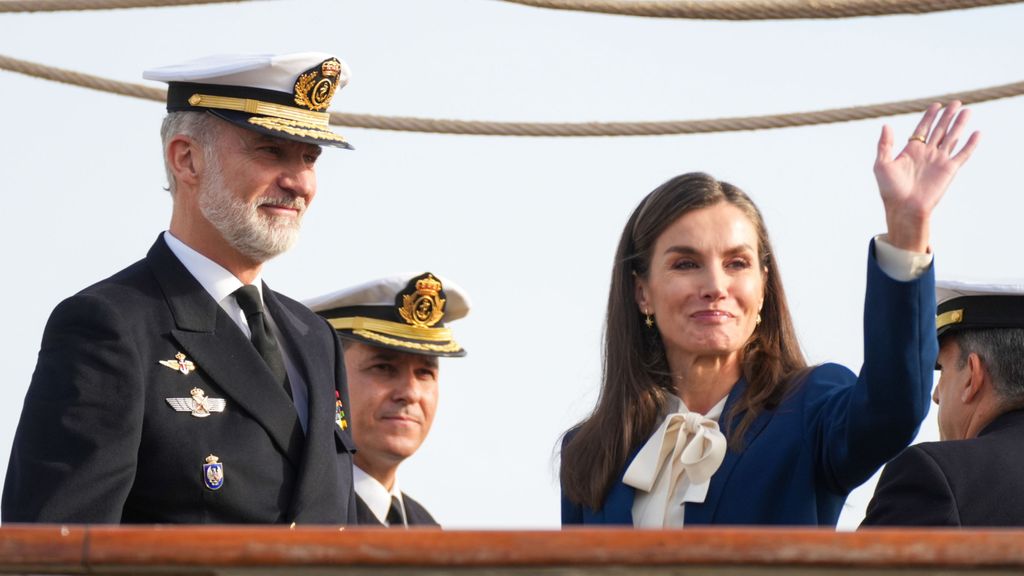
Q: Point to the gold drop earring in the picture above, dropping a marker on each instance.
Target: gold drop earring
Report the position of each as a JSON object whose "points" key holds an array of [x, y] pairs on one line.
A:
{"points": [[648, 319]]}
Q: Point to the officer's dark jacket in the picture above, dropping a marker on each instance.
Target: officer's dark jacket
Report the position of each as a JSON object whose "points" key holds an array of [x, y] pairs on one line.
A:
{"points": [[415, 513], [975, 482], [98, 441]]}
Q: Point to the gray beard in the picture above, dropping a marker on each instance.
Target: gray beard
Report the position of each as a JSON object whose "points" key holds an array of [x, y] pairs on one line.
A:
{"points": [[252, 234]]}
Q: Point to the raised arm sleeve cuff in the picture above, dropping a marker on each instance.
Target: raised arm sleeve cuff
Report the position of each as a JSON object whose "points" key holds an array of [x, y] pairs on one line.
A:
{"points": [[899, 264]]}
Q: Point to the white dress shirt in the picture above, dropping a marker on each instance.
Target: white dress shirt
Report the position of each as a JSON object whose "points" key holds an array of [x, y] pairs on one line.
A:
{"points": [[377, 497], [220, 285]]}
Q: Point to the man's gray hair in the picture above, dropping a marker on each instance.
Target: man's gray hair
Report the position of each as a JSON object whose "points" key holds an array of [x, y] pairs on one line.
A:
{"points": [[1002, 353], [199, 126]]}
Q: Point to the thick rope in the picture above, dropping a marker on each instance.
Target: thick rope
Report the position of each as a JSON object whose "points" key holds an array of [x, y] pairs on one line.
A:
{"points": [[410, 124], [69, 5], [760, 9], [695, 9], [80, 79]]}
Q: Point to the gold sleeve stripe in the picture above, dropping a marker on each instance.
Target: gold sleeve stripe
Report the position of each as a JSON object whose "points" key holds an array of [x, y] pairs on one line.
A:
{"points": [[392, 328], [259, 107], [947, 318]]}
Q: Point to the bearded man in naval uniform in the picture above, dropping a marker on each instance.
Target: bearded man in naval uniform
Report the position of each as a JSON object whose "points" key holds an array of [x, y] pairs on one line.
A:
{"points": [[183, 389]]}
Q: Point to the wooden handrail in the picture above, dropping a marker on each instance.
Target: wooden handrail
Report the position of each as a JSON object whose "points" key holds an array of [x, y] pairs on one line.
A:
{"points": [[280, 550]]}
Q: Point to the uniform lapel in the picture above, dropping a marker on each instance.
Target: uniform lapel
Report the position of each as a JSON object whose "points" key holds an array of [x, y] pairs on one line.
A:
{"points": [[364, 516], [705, 513], [312, 355], [223, 353], [416, 514]]}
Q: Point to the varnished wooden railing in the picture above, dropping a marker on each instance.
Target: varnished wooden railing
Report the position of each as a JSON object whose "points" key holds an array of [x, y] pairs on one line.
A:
{"points": [[278, 550]]}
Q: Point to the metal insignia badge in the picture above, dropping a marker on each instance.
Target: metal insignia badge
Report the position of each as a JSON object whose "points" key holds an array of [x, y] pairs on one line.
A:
{"points": [[339, 412], [213, 473], [199, 405], [180, 364], [315, 88], [424, 307]]}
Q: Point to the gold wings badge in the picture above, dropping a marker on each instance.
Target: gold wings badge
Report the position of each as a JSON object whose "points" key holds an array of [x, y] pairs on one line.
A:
{"points": [[180, 363], [199, 405]]}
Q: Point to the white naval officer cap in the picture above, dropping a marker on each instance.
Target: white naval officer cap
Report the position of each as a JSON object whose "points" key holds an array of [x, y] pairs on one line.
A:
{"points": [[407, 313], [967, 305], [285, 96]]}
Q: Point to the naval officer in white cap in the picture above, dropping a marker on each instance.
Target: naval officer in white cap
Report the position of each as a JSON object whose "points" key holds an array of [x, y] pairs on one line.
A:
{"points": [[394, 330], [975, 476], [183, 389]]}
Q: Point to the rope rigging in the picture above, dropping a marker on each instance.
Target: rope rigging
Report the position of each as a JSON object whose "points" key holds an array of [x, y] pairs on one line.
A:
{"points": [[760, 9], [560, 129], [690, 9], [79, 5]]}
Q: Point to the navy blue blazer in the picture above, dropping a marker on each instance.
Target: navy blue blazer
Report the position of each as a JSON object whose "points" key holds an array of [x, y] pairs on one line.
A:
{"points": [[829, 434]]}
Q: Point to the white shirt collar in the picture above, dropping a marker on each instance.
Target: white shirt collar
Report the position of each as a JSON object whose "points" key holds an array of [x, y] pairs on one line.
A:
{"points": [[376, 496], [214, 278]]}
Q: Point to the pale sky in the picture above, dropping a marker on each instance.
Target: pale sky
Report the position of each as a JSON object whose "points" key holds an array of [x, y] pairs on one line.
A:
{"points": [[527, 226]]}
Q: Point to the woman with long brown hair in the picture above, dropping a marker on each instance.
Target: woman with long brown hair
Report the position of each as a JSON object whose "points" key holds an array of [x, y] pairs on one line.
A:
{"points": [[708, 412]]}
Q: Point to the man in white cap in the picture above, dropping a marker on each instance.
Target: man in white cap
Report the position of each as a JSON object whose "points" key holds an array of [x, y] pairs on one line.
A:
{"points": [[182, 389], [394, 330], [975, 475]]}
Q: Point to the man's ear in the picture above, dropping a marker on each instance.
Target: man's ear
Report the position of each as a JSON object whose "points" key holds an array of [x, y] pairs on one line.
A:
{"points": [[977, 381], [183, 155]]}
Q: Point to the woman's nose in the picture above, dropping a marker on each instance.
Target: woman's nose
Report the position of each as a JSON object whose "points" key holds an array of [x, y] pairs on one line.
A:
{"points": [[714, 284]]}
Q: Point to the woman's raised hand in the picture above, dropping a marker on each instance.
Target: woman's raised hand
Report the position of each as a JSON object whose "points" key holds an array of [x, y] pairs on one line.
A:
{"points": [[912, 183]]}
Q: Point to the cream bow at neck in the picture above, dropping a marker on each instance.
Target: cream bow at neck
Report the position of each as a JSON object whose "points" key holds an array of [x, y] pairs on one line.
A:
{"points": [[686, 443]]}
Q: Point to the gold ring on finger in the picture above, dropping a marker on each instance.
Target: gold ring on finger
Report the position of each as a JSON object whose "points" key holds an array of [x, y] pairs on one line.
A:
{"points": [[917, 137]]}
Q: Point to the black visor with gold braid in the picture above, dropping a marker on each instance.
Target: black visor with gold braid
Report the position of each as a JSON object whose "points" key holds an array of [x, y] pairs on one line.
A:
{"points": [[414, 324], [301, 115], [980, 312]]}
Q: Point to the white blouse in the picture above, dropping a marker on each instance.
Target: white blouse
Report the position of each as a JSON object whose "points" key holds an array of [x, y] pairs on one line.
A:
{"points": [[675, 465]]}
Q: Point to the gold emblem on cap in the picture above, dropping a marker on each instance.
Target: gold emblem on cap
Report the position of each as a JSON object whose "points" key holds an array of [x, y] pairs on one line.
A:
{"points": [[424, 307], [315, 88]]}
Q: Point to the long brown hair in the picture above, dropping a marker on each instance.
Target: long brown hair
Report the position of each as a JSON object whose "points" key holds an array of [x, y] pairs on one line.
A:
{"points": [[636, 379]]}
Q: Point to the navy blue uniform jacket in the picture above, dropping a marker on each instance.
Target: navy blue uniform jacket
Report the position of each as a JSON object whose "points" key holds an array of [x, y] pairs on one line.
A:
{"points": [[99, 443], [966, 483], [830, 434], [415, 513]]}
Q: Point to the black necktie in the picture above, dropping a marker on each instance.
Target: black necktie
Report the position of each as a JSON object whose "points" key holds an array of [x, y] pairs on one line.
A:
{"points": [[396, 519], [249, 301]]}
